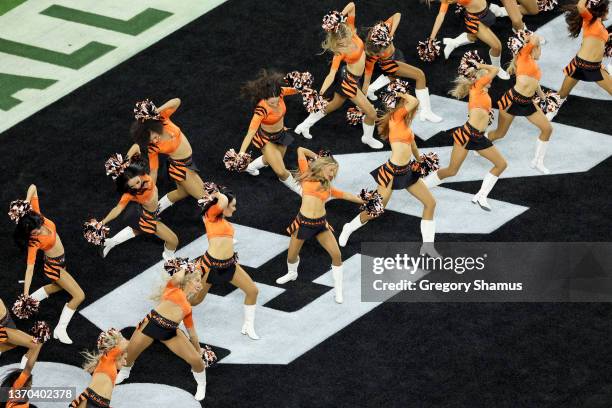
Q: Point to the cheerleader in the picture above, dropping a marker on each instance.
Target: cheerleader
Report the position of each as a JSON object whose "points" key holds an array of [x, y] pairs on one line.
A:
{"points": [[35, 232], [311, 221], [17, 381], [267, 130], [586, 15], [11, 337], [396, 174], [162, 323], [103, 366], [219, 264], [518, 101], [136, 186], [380, 49], [475, 83], [342, 40], [478, 19]]}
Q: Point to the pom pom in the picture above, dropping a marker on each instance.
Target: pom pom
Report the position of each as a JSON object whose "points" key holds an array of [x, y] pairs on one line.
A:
{"points": [[175, 265], [469, 63], [608, 49], [332, 21], [145, 110], [313, 102], [592, 3], [95, 232], [380, 35], [491, 117], [429, 49], [551, 103], [391, 95], [18, 209], [102, 342], [547, 5], [25, 307], [236, 161], [324, 153], [209, 189], [209, 356], [518, 41], [299, 80], [41, 332], [354, 116], [430, 162], [373, 205], [115, 165]]}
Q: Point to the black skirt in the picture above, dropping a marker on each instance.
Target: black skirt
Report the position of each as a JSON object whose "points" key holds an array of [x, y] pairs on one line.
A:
{"points": [[389, 66], [470, 138], [282, 138], [584, 70], [140, 219], [94, 400], [177, 169], [7, 321], [485, 17], [517, 104], [308, 227], [158, 327], [345, 83], [219, 270], [52, 267], [402, 176]]}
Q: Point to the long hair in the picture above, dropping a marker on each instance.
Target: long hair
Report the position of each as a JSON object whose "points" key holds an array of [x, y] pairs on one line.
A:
{"points": [[383, 122], [268, 84], [23, 231], [226, 191], [106, 342], [574, 20], [141, 130], [332, 39], [463, 84], [158, 294], [136, 168], [315, 171]]}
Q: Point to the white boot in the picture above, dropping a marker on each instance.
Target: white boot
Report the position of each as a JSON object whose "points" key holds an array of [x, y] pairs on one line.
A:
{"points": [[480, 198], [432, 180], [164, 203], [293, 185], [538, 160], [349, 228], [368, 137], [496, 61], [40, 294], [452, 43], [425, 112], [60, 330], [337, 275], [551, 115], [120, 237], [498, 10], [24, 361], [248, 327], [201, 381], [255, 165], [292, 273], [304, 127], [123, 374], [428, 233], [380, 82], [168, 253]]}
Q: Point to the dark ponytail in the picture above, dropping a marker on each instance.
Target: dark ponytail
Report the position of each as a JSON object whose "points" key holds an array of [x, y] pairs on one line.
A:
{"points": [[135, 169], [231, 196], [268, 84], [141, 130], [25, 226], [574, 20]]}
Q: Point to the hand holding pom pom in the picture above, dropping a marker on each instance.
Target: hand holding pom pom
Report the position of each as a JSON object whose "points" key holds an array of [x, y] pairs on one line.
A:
{"points": [[469, 64], [299, 80], [373, 205], [313, 102], [18, 209], [209, 356], [41, 332], [427, 164], [95, 232], [25, 307], [429, 49], [145, 110], [236, 161], [209, 189], [547, 5], [354, 116], [175, 265], [551, 103]]}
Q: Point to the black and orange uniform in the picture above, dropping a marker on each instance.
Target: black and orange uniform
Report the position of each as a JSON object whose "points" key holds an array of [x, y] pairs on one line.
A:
{"points": [[17, 385], [471, 20], [177, 168], [512, 101], [6, 321], [108, 366], [386, 59], [157, 326], [309, 227], [347, 83], [219, 270], [402, 176], [583, 70], [137, 216], [52, 266], [467, 135], [266, 115]]}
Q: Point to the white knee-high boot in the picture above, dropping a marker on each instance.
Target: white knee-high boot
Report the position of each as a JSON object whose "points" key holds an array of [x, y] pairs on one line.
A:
{"points": [[337, 275], [248, 327], [428, 234], [349, 228], [292, 273], [496, 61], [498, 10], [538, 159], [292, 184], [255, 165], [168, 254], [201, 381], [368, 137], [451, 43], [425, 112], [380, 82], [304, 127], [123, 374], [480, 198], [432, 180], [40, 294], [164, 203], [119, 238], [60, 330]]}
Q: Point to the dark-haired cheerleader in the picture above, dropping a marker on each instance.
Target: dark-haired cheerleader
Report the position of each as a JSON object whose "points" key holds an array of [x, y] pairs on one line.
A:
{"points": [[478, 19], [220, 263], [136, 186], [153, 128], [35, 232], [518, 101], [475, 82], [348, 49], [11, 337], [311, 221], [175, 298], [586, 16], [267, 128], [396, 174], [103, 365]]}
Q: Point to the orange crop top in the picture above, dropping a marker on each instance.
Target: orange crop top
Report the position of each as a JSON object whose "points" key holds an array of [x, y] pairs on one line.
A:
{"points": [[18, 384], [479, 98], [526, 65], [177, 296], [398, 130], [139, 198], [165, 146], [108, 363], [314, 188], [444, 4], [265, 114], [354, 56], [42, 242], [596, 29], [216, 225], [385, 54]]}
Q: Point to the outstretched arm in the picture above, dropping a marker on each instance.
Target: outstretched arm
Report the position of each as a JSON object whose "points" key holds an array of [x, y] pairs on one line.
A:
{"points": [[349, 9], [439, 18], [114, 213]]}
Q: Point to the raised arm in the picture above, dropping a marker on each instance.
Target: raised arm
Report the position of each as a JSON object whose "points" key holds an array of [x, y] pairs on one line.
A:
{"points": [[349, 10], [32, 192], [395, 20], [581, 6], [304, 154], [491, 70], [134, 150], [171, 105]]}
